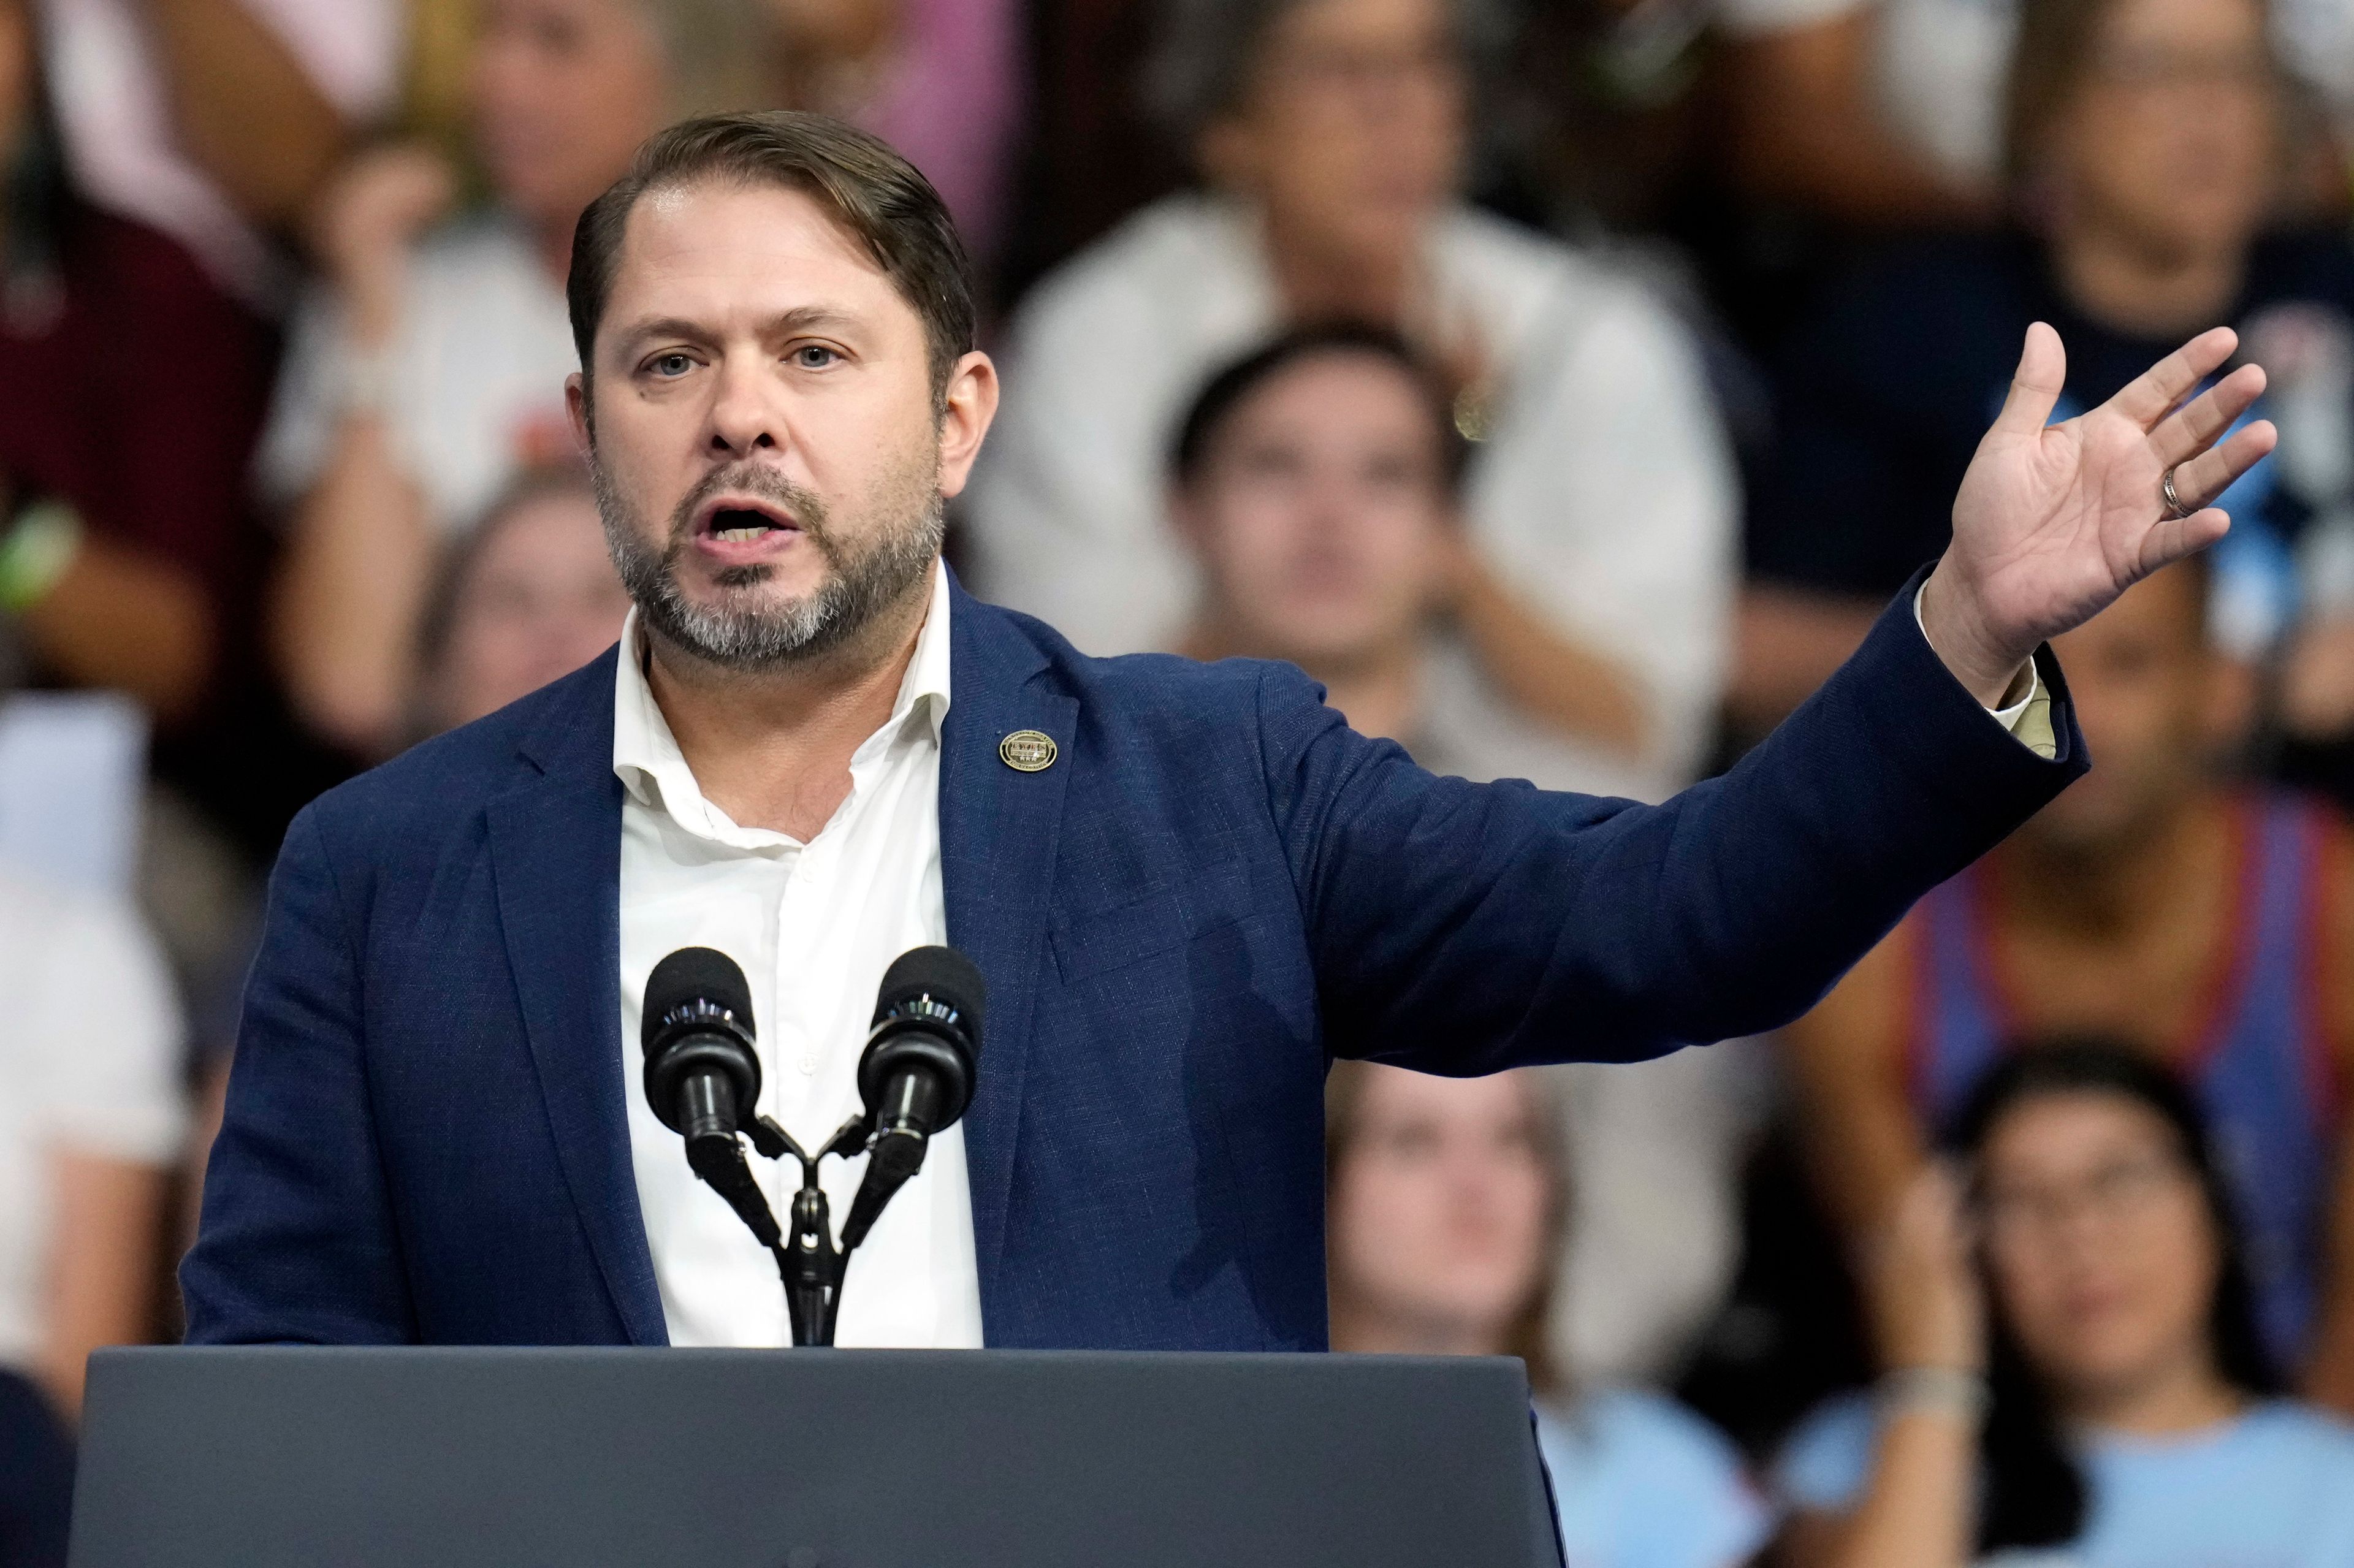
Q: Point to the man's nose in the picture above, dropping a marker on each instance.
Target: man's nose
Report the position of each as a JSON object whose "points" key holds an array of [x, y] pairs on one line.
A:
{"points": [[746, 417]]}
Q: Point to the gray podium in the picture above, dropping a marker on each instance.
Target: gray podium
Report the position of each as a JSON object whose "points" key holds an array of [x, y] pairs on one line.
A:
{"points": [[636, 1458]]}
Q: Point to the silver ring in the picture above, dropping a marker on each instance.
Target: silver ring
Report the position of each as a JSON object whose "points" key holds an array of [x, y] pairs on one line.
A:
{"points": [[2175, 510]]}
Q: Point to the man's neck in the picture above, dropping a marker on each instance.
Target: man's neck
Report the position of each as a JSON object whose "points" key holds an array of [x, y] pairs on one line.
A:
{"points": [[1319, 280], [1359, 1330], [772, 749], [1378, 689], [2111, 888], [2143, 289], [1382, 698]]}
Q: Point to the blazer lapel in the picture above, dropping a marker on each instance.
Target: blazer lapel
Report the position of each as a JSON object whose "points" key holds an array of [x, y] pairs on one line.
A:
{"points": [[998, 831], [556, 855]]}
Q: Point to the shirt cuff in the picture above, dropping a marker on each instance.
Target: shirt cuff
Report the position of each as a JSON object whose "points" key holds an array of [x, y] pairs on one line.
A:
{"points": [[2028, 719]]}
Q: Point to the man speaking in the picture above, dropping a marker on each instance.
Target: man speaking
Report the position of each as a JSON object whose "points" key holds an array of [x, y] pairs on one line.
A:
{"points": [[1189, 887]]}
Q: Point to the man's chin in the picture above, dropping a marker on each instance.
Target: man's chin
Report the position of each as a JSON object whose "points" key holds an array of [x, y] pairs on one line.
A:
{"points": [[754, 588], [2087, 831]]}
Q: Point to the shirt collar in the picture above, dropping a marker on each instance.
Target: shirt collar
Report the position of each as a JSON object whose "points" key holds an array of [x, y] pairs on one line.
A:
{"points": [[647, 760]]}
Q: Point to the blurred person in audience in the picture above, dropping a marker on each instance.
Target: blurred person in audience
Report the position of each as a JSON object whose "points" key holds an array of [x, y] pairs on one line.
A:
{"points": [[942, 81], [131, 388], [2145, 145], [217, 122], [90, 1119], [1445, 1202], [2210, 924], [1315, 480], [1823, 111], [528, 595], [1332, 135], [1891, 111], [430, 368], [2076, 1371]]}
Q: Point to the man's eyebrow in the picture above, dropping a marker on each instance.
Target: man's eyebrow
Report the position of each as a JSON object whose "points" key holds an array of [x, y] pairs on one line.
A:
{"points": [[810, 317], [664, 326], [803, 318]]}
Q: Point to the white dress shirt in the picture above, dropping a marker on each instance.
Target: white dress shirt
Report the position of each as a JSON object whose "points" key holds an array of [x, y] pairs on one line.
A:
{"points": [[813, 926]]}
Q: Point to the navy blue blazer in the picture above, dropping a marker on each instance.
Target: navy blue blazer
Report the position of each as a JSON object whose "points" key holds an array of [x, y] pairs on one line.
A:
{"points": [[1217, 888]]}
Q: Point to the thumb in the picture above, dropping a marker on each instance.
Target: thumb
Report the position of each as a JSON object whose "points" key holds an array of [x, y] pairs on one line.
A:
{"points": [[2035, 385]]}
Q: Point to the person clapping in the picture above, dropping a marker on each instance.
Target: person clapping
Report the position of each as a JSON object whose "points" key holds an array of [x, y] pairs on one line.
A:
{"points": [[2074, 1366]]}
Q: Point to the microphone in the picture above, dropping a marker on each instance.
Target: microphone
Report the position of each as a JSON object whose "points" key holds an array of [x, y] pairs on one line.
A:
{"points": [[915, 1076], [701, 1076]]}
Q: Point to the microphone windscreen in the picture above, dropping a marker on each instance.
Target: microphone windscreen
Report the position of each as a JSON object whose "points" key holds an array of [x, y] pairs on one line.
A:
{"points": [[694, 974], [943, 974]]}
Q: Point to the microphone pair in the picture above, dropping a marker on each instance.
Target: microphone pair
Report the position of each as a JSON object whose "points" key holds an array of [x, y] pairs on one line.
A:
{"points": [[915, 1077]]}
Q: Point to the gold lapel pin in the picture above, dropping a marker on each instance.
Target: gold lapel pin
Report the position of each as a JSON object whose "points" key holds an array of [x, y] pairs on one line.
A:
{"points": [[1027, 751]]}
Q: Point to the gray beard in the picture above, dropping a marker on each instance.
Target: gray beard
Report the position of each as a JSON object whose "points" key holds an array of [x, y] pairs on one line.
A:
{"points": [[740, 632]]}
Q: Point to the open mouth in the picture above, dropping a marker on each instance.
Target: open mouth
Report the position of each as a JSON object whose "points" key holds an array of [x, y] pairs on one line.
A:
{"points": [[738, 519]]}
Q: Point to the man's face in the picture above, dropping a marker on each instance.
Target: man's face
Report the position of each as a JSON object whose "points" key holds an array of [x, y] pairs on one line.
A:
{"points": [[540, 600], [2150, 696], [2172, 138], [563, 91], [1322, 512], [1352, 129], [769, 458]]}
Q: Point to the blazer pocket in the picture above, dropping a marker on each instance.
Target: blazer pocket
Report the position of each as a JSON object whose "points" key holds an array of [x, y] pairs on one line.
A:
{"points": [[1088, 942]]}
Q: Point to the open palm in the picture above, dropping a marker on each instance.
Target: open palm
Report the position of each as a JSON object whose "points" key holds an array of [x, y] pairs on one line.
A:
{"points": [[2053, 521]]}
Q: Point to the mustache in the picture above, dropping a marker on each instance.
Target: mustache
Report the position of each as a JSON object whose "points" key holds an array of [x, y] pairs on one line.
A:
{"points": [[756, 479]]}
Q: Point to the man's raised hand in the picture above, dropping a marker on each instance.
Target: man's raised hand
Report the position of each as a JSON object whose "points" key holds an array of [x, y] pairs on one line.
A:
{"points": [[2053, 521]]}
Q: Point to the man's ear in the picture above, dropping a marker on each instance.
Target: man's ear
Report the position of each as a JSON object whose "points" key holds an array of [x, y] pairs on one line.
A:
{"points": [[965, 411], [580, 414]]}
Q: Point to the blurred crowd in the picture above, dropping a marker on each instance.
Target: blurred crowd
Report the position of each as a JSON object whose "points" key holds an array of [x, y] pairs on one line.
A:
{"points": [[1567, 385]]}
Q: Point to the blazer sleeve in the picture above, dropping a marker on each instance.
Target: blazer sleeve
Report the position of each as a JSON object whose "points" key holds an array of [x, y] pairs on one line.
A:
{"points": [[297, 1242], [1463, 929]]}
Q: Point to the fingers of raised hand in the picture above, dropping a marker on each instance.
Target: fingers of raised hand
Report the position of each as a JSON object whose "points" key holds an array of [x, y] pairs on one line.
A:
{"points": [[2146, 398], [2193, 428], [2036, 384], [2201, 479], [2171, 539]]}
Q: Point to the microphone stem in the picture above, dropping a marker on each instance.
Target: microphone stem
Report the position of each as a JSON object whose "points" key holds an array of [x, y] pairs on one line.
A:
{"points": [[811, 1266]]}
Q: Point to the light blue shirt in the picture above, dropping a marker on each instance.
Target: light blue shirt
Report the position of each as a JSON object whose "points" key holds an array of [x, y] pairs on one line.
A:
{"points": [[1643, 1483], [2269, 1488]]}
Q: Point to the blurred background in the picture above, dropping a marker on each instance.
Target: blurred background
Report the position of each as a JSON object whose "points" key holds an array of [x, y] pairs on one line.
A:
{"points": [[1567, 385]]}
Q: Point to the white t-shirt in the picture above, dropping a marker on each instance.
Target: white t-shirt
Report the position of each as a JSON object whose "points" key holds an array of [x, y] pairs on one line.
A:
{"points": [[90, 1037], [2270, 1487], [1605, 493], [477, 375], [115, 112]]}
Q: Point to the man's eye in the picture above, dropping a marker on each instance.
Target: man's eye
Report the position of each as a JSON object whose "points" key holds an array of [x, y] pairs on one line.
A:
{"points": [[814, 356]]}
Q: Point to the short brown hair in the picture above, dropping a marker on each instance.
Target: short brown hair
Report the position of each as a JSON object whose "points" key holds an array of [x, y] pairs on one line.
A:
{"points": [[1214, 406], [867, 187]]}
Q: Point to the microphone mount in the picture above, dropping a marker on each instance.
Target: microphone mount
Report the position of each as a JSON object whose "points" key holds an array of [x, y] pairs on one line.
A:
{"points": [[807, 1260]]}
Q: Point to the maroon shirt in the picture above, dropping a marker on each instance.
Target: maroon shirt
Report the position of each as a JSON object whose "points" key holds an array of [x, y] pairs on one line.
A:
{"points": [[134, 389]]}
